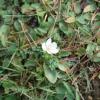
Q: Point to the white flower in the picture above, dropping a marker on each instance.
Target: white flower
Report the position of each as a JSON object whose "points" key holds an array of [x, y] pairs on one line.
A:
{"points": [[50, 47]]}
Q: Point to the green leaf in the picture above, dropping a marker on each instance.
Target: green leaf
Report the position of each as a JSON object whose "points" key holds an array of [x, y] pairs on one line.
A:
{"points": [[10, 97], [8, 84], [98, 54], [17, 26], [81, 19], [4, 30], [77, 7], [62, 67], [3, 39], [26, 8], [87, 16], [55, 34], [96, 59], [92, 52], [89, 8], [85, 30], [35, 5], [1, 97], [90, 48], [81, 51], [63, 27], [2, 4], [69, 92], [77, 96], [51, 75], [20, 89], [64, 54], [50, 20], [60, 89]]}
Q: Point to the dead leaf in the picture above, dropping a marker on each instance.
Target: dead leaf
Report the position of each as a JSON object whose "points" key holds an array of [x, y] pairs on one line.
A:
{"points": [[70, 19]]}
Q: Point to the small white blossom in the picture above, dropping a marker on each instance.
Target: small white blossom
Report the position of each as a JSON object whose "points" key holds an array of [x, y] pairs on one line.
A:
{"points": [[50, 47]]}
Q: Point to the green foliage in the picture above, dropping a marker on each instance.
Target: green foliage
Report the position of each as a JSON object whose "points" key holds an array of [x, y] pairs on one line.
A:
{"points": [[51, 74], [4, 30], [29, 73], [92, 52]]}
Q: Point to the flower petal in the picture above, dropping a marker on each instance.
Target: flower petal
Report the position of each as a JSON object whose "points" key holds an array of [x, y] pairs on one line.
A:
{"points": [[54, 51], [44, 46], [49, 52], [50, 47], [48, 42], [54, 44]]}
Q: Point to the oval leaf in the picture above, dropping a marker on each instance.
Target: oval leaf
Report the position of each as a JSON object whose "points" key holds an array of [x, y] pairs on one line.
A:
{"points": [[62, 67], [3, 34], [70, 19], [88, 8], [51, 75]]}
